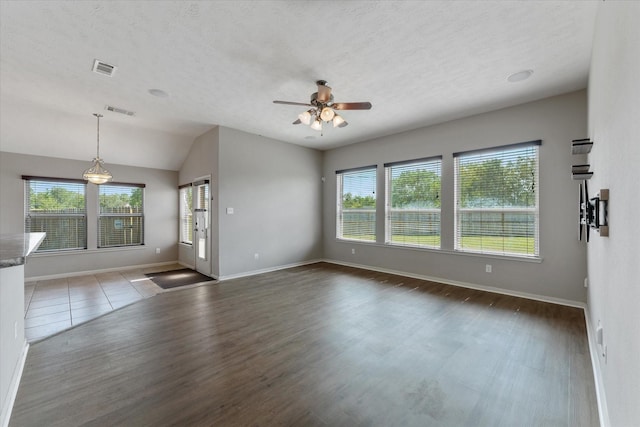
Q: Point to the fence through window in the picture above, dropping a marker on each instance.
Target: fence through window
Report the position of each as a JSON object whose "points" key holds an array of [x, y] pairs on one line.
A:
{"points": [[121, 218], [356, 204], [497, 200], [58, 208]]}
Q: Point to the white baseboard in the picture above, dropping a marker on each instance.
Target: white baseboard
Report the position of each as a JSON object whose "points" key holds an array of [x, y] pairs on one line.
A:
{"points": [[603, 410], [495, 290], [103, 270], [268, 270], [7, 406], [185, 265]]}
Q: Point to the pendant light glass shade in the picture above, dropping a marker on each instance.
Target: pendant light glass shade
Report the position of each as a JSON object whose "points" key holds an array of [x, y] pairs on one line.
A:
{"points": [[327, 114], [338, 121], [305, 117], [97, 174], [316, 125]]}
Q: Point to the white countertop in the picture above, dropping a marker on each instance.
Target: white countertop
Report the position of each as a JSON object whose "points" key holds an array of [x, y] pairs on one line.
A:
{"points": [[14, 248]]}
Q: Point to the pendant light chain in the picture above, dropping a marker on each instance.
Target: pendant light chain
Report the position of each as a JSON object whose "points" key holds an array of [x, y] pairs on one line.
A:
{"points": [[98, 117]]}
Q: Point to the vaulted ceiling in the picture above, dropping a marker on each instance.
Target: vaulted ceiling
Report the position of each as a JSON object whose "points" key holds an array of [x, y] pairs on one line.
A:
{"points": [[224, 62]]}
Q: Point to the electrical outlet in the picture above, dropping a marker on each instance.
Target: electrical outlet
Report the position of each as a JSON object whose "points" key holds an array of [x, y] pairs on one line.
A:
{"points": [[586, 282], [353, 251], [157, 250], [487, 268], [256, 255]]}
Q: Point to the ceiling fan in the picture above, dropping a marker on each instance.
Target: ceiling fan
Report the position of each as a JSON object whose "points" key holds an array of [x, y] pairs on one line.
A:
{"points": [[323, 109]]}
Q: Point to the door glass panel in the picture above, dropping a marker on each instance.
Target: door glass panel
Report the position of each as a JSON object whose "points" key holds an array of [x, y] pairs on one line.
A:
{"points": [[202, 252], [201, 205]]}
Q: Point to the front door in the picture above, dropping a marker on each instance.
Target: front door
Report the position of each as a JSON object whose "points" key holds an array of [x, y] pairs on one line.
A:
{"points": [[201, 226]]}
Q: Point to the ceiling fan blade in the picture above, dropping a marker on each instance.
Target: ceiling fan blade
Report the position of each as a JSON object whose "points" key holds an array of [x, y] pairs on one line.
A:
{"points": [[351, 106], [293, 103], [343, 124], [324, 92], [297, 122]]}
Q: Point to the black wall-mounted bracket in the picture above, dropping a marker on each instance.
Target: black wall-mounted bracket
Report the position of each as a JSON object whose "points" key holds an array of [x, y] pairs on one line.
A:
{"points": [[598, 213]]}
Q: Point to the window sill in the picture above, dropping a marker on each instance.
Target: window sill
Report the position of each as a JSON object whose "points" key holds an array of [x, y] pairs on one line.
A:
{"points": [[537, 259], [88, 251], [360, 242]]}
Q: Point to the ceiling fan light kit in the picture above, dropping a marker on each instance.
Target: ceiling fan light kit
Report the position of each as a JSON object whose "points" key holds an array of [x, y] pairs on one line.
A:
{"points": [[324, 109]]}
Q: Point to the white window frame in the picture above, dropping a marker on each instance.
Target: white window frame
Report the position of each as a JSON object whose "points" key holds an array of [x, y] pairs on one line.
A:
{"points": [[78, 217], [487, 214], [361, 227], [417, 218], [106, 216]]}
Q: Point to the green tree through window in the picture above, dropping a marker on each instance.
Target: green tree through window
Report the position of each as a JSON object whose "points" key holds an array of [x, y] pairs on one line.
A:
{"points": [[413, 202], [497, 200], [56, 207], [356, 210], [121, 221]]}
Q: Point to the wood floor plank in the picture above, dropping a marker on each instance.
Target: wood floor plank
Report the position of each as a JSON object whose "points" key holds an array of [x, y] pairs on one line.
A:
{"points": [[317, 345]]}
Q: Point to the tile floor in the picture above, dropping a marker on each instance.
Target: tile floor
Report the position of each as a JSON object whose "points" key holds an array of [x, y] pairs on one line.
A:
{"points": [[51, 306]]}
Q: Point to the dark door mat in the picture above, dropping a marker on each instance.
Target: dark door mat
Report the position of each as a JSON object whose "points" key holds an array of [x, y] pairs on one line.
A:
{"points": [[176, 278]]}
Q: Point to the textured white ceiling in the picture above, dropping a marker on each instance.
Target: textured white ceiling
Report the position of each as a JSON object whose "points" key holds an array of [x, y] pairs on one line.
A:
{"points": [[224, 62]]}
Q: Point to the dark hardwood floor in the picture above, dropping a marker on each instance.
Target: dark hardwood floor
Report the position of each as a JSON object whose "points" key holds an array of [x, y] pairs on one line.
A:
{"points": [[316, 345]]}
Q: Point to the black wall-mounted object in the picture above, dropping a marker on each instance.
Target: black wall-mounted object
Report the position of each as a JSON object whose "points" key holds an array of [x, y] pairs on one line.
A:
{"points": [[599, 218], [594, 212], [581, 146]]}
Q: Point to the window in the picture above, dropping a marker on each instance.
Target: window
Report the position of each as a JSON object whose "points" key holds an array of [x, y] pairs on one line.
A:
{"points": [[413, 203], [58, 208], [186, 214], [121, 216], [356, 210], [497, 200]]}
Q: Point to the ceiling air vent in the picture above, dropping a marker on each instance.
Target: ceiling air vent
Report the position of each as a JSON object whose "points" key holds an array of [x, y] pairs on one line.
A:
{"points": [[119, 110], [103, 68]]}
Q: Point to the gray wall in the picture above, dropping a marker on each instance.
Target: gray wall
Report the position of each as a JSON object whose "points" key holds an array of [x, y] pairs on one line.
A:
{"points": [[161, 214], [275, 190], [202, 161], [556, 121], [614, 262]]}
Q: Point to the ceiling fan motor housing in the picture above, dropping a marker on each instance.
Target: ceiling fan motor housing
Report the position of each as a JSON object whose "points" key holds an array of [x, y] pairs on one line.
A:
{"points": [[316, 103]]}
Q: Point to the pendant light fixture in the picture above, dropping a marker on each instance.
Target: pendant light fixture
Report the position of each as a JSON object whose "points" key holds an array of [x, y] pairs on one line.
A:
{"points": [[97, 174]]}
